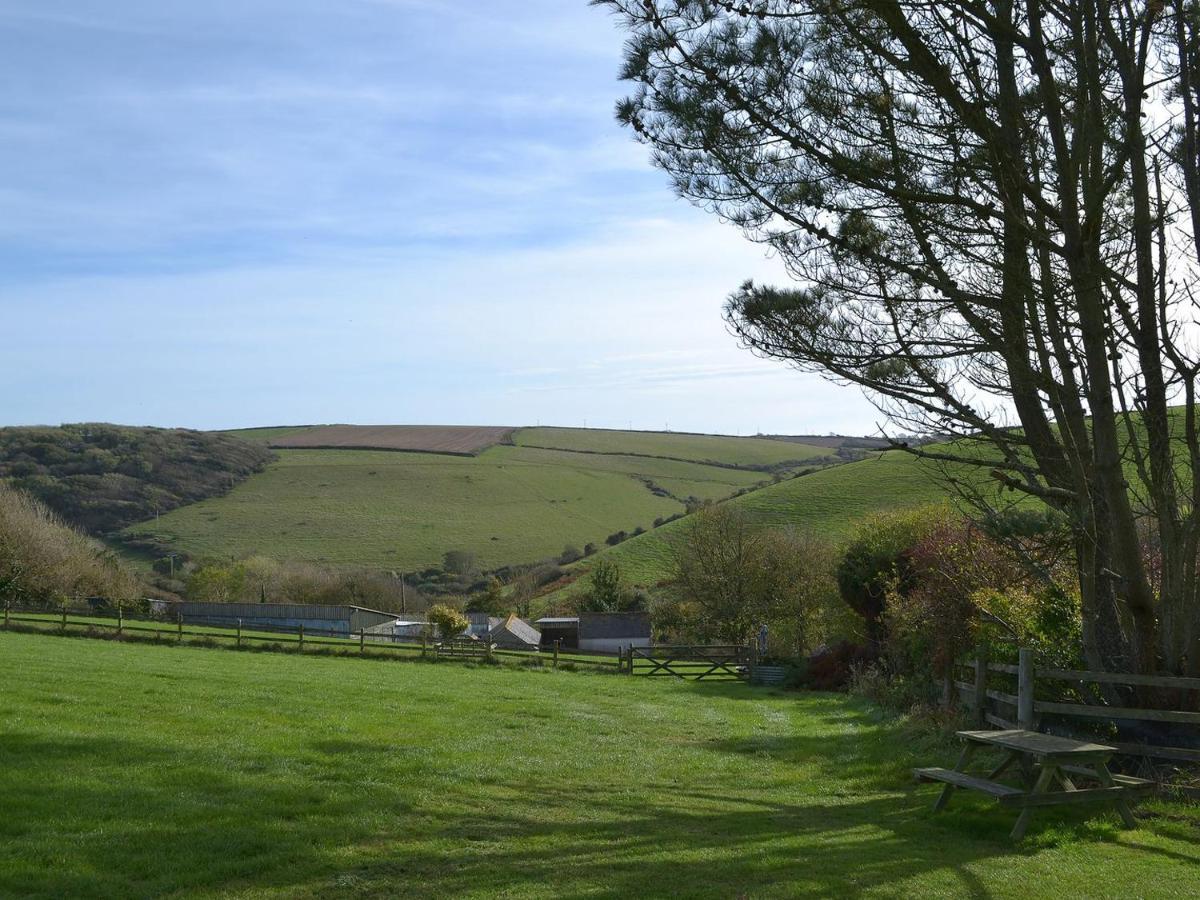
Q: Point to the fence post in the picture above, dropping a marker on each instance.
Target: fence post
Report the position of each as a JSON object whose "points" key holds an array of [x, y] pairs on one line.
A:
{"points": [[981, 673], [948, 689], [7, 605], [180, 623], [239, 634], [64, 616], [556, 643], [120, 617], [362, 640], [301, 637], [424, 644], [1025, 677]]}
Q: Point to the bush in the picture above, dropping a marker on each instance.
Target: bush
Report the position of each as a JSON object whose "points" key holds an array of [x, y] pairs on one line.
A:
{"points": [[832, 668], [42, 560], [449, 621], [569, 554], [876, 563]]}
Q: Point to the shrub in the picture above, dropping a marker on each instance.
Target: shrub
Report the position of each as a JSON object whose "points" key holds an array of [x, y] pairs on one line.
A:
{"points": [[459, 562], [876, 563], [569, 554], [42, 560], [832, 668], [449, 621]]}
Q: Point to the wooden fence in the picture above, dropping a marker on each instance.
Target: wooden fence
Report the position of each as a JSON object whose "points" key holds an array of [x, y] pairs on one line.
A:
{"points": [[117, 620], [1024, 709], [716, 662]]}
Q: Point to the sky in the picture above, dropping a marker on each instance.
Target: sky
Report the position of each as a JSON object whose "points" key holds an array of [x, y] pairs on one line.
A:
{"points": [[261, 212]]}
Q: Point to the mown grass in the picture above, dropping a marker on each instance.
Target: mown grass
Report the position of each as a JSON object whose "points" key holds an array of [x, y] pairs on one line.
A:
{"points": [[135, 770], [727, 449], [404, 510]]}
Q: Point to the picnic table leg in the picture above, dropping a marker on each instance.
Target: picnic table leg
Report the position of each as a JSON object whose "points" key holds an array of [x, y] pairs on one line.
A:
{"points": [[1013, 756], [1122, 805], [1040, 786], [964, 758]]}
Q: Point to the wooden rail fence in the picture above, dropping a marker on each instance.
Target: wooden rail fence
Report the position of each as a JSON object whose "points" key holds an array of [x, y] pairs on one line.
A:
{"points": [[118, 620], [1023, 709]]}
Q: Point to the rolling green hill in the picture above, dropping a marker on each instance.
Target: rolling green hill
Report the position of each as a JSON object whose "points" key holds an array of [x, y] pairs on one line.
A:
{"points": [[828, 502], [760, 453], [404, 510]]}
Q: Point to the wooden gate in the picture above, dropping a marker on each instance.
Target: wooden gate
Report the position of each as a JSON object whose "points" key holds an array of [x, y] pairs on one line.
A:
{"points": [[714, 662]]}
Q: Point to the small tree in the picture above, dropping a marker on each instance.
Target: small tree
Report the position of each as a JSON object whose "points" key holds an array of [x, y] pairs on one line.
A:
{"points": [[607, 591], [448, 620], [491, 600]]}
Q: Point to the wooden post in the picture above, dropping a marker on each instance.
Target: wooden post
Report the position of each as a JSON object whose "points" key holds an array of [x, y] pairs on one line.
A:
{"points": [[239, 633], [556, 643], [362, 640], [64, 615], [1025, 677], [948, 689], [301, 637], [7, 605], [424, 644], [180, 624], [120, 617], [979, 713]]}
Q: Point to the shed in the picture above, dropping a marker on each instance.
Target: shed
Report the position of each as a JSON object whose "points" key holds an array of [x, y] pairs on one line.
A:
{"points": [[284, 616], [515, 634], [564, 629], [480, 624], [608, 632]]}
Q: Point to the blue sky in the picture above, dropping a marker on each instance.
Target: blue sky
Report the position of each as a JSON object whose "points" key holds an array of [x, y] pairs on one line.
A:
{"points": [[250, 212]]}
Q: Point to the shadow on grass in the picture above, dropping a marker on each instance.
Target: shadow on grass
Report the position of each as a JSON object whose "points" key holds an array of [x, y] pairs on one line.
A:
{"points": [[101, 817]]}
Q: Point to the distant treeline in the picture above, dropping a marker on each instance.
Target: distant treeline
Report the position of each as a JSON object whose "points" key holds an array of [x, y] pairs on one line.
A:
{"points": [[102, 478]]}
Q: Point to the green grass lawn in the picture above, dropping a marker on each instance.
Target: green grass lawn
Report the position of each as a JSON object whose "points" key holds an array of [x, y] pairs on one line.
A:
{"points": [[133, 770], [404, 510], [742, 451]]}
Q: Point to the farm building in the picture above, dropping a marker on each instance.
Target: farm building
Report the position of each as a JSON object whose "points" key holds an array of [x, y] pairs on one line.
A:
{"points": [[515, 634], [285, 616], [606, 632], [563, 629], [481, 624], [609, 632]]}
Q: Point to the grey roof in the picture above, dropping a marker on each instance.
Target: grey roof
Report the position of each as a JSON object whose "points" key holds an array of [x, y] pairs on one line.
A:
{"points": [[614, 625], [517, 628], [558, 620]]}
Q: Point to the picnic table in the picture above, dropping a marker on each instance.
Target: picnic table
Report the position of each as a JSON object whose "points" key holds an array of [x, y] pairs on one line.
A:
{"points": [[1041, 761]]}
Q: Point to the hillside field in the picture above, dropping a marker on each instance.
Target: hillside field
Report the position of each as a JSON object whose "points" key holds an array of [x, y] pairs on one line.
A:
{"points": [[404, 510], [464, 440], [828, 503], [720, 449], [133, 770]]}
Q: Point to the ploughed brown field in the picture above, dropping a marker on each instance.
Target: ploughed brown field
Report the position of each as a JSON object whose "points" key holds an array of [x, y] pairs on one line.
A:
{"points": [[464, 440]]}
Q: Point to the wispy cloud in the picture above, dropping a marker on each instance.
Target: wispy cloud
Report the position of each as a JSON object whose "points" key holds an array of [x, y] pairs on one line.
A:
{"points": [[268, 210]]}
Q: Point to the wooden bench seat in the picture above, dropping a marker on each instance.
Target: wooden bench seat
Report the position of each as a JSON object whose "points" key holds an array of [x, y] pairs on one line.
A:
{"points": [[969, 782]]}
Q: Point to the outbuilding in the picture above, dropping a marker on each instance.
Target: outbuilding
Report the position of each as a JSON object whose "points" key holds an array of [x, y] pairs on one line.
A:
{"points": [[563, 630], [345, 620], [515, 634], [608, 632]]}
